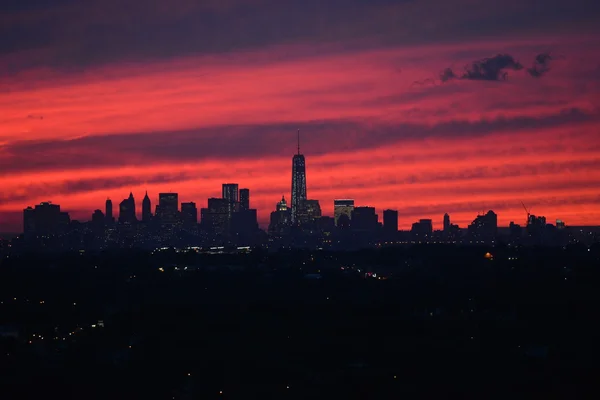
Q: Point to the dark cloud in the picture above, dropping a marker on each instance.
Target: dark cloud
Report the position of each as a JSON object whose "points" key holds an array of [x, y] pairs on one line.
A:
{"points": [[447, 75], [541, 64], [495, 68], [76, 34], [241, 142], [487, 69], [35, 116]]}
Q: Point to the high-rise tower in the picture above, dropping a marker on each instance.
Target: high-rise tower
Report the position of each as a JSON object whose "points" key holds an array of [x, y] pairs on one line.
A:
{"points": [[108, 214], [146, 208], [298, 182]]}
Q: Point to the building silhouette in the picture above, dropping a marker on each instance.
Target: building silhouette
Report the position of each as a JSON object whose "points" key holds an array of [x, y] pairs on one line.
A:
{"points": [[108, 211], [146, 209], [127, 210], [167, 211], [45, 219], [364, 219], [244, 199], [281, 218], [390, 221], [298, 183], [422, 230], [446, 223], [308, 212], [215, 218], [342, 207], [189, 214], [484, 228]]}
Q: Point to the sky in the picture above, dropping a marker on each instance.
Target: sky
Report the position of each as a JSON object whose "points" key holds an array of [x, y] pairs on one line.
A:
{"points": [[423, 106]]}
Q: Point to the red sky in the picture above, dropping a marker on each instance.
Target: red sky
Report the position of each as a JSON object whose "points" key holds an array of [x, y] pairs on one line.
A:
{"points": [[80, 129]]}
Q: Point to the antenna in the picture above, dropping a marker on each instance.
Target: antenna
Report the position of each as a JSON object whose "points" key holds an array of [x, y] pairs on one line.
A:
{"points": [[298, 141]]}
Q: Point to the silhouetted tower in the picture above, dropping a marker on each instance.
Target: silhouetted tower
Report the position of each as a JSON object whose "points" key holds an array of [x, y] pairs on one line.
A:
{"points": [[390, 221], [146, 208], [446, 223], [298, 182], [132, 202], [244, 199], [127, 210], [109, 211]]}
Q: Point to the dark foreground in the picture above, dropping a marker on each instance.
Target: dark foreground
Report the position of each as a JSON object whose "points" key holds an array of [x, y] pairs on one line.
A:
{"points": [[433, 321]]}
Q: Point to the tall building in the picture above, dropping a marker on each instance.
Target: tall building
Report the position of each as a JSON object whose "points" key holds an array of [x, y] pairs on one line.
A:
{"points": [[364, 219], [390, 221], [281, 218], [146, 208], [167, 210], [189, 214], [308, 212], [45, 219], [446, 223], [342, 207], [231, 192], [215, 218], [298, 182], [484, 228], [109, 211], [98, 221], [232, 195], [244, 199], [29, 221], [127, 210]]}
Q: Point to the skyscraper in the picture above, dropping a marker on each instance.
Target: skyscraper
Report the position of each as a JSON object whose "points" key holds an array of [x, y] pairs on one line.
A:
{"points": [[109, 211], [168, 208], [364, 219], [146, 208], [298, 182], [127, 210], [446, 223], [390, 221], [231, 194], [342, 207], [189, 214], [244, 199]]}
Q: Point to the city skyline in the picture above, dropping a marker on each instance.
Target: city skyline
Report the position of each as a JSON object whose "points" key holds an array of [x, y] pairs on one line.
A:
{"points": [[469, 108]]}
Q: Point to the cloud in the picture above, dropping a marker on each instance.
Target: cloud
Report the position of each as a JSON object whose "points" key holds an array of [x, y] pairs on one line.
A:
{"points": [[486, 69], [447, 75], [541, 64], [236, 142]]}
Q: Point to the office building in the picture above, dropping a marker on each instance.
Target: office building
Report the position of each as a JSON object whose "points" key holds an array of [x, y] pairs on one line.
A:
{"points": [[108, 212], [127, 210], [216, 218], [45, 219], [189, 214], [308, 212], [446, 223], [364, 219], [244, 199], [230, 192], [390, 221], [167, 211], [342, 207]]}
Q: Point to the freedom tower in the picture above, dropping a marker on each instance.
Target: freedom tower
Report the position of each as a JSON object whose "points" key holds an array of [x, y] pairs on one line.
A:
{"points": [[298, 182]]}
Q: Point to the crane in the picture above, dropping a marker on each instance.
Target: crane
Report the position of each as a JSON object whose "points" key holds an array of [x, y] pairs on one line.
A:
{"points": [[528, 213]]}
